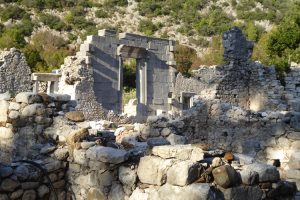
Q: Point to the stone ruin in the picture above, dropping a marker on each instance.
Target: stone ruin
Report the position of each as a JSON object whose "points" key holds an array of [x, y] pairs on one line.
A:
{"points": [[234, 132]]}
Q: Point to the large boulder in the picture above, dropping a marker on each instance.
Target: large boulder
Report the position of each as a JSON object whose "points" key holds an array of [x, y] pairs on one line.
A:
{"points": [[28, 97], [267, 173], [243, 192], [75, 116], [153, 170], [107, 154], [184, 173]]}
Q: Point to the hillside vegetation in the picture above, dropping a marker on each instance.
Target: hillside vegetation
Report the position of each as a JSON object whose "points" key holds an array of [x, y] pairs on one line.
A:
{"points": [[49, 30]]}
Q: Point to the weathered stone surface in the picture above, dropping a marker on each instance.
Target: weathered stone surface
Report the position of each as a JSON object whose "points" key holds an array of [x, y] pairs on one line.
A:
{"points": [[5, 171], [5, 96], [60, 97], [249, 177], [236, 46], [4, 197], [9, 185], [153, 170], [182, 152], [217, 162], [225, 176], [86, 145], [61, 154], [282, 190], [157, 141], [47, 149], [13, 114], [3, 111], [42, 191], [29, 185], [243, 192], [106, 154], [116, 192], [138, 194], [95, 194], [176, 139], [28, 97], [6, 133], [183, 173], [29, 195], [295, 121], [266, 172], [292, 173], [80, 156], [295, 145], [194, 191], [17, 194], [76, 136], [294, 136], [127, 176], [75, 116], [30, 110], [22, 172], [14, 106]]}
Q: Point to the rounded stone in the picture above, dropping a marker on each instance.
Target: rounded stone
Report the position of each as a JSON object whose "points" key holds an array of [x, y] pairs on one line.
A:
{"points": [[42, 191], [29, 195], [9, 185], [5, 171], [75, 116], [22, 172]]}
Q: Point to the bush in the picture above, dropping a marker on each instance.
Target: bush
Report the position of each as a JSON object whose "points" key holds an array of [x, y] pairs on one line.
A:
{"points": [[147, 27], [52, 21], [100, 13], [11, 12], [184, 57]]}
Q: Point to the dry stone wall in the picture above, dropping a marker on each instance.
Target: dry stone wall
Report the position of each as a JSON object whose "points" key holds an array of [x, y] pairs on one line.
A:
{"points": [[14, 72]]}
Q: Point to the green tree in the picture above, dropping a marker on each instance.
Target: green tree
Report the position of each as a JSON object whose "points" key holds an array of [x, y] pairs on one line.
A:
{"points": [[252, 31], [184, 57]]}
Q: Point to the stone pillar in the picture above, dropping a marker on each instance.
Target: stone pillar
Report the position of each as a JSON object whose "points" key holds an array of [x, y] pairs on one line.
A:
{"points": [[120, 82], [36, 87], [49, 85]]}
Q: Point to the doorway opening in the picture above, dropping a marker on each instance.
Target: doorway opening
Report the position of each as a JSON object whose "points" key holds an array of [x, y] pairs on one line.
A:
{"points": [[129, 93]]}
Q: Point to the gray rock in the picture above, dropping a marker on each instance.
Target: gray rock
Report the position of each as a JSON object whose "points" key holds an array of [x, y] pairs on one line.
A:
{"points": [[157, 141], [5, 96], [107, 154], [4, 197], [28, 97], [183, 173], [9, 185], [5, 171], [29, 195], [225, 176], [80, 156], [165, 132], [295, 121], [30, 185], [86, 145], [267, 173], [282, 190], [42, 191], [22, 172], [30, 110], [47, 149], [195, 191], [181, 152], [116, 192], [153, 170], [176, 139], [16, 194], [13, 114], [61, 154], [127, 176], [243, 192], [249, 177]]}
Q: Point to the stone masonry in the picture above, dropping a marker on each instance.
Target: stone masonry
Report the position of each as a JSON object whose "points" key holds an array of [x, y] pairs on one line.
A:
{"points": [[97, 82], [14, 72]]}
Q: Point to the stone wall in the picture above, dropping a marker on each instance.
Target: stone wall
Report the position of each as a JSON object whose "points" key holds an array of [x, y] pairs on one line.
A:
{"points": [[14, 72], [292, 88], [94, 78]]}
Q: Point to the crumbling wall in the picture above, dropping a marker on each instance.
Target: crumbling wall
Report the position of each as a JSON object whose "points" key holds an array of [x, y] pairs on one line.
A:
{"points": [[14, 72], [292, 88]]}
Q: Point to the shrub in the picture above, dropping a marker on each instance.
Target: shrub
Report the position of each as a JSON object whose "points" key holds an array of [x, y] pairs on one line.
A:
{"points": [[11, 12], [147, 27], [52, 21], [184, 57], [100, 13]]}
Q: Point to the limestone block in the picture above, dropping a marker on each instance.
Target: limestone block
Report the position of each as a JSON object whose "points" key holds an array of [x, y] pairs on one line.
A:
{"points": [[76, 136], [153, 170], [176, 139], [294, 135], [139, 194], [181, 152], [5, 96], [6, 133], [13, 114], [157, 141], [295, 122], [60, 97], [249, 177], [14, 106], [225, 176], [30, 110], [183, 173], [89, 180], [3, 111], [127, 176], [267, 173], [243, 192], [295, 145], [28, 97], [293, 173], [116, 192], [80, 157], [107, 154], [194, 191]]}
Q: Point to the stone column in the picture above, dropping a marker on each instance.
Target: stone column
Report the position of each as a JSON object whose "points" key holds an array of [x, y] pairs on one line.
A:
{"points": [[49, 85], [120, 82], [36, 87]]}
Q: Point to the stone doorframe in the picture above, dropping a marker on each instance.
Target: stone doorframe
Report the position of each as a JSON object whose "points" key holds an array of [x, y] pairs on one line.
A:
{"points": [[141, 56]]}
